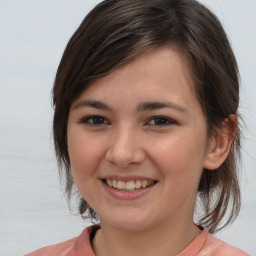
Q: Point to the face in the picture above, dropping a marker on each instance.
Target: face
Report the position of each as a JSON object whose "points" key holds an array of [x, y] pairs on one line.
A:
{"points": [[137, 142]]}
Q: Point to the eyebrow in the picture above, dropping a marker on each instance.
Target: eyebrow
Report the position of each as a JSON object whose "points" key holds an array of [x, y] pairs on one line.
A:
{"points": [[92, 104], [144, 106]]}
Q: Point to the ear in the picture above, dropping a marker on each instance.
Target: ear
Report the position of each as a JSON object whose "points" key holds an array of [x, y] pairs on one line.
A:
{"points": [[220, 144]]}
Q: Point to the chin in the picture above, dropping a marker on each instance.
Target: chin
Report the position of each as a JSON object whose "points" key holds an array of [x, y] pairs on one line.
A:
{"points": [[128, 222]]}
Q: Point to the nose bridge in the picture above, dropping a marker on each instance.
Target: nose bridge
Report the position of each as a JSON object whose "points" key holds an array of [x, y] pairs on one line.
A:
{"points": [[125, 147]]}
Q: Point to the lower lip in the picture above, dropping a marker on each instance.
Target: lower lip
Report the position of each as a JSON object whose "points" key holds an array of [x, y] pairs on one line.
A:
{"points": [[127, 195]]}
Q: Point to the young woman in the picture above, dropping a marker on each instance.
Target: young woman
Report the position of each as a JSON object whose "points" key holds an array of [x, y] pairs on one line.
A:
{"points": [[146, 128]]}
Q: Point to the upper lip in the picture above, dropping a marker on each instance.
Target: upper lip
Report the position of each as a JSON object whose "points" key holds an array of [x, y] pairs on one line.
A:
{"points": [[126, 178]]}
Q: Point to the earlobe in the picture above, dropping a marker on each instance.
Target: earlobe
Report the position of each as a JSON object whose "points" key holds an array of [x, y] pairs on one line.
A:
{"points": [[220, 144]]}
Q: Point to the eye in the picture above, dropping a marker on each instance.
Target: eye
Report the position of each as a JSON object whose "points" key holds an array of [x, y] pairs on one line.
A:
{"points": [[161, 121], [95, 120]]}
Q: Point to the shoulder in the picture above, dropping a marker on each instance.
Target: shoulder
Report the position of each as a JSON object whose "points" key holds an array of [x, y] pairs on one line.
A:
{"points": [[214, 247], [64, 248], [80, 245]]}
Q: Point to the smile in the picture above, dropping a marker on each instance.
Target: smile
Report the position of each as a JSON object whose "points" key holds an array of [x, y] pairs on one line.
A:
{"points": [[131, 185]]}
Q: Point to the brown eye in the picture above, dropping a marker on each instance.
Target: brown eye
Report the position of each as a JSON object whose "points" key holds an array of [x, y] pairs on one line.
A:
{"points": [[161, 121], [95, 120]]}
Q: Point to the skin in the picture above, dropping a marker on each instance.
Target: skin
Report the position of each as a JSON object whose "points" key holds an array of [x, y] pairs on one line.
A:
{"points": [[172, 149]]}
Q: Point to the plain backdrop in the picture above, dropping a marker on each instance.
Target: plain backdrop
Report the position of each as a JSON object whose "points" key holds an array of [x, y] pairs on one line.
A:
{"points": [[33, 35]]}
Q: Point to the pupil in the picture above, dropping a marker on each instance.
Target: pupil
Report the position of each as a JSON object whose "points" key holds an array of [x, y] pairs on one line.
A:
{"points": [[160, 121], [98, 120]]}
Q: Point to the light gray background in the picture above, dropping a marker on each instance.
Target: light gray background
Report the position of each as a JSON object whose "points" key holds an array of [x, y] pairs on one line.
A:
{"points": [[33, 35]]}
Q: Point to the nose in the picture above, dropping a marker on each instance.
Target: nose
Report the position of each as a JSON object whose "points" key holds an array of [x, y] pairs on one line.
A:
{"points": [[125, 148]]}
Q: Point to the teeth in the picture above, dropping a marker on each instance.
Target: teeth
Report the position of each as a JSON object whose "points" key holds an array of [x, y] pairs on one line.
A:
{"points": [[114, 184], [121, 184], [109, 182], [138, 184], [144, 183], [129, 185]]}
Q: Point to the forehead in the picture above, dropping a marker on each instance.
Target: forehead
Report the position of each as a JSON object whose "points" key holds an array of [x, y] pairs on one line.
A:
{"points": [[158, 65], [158, 75]]}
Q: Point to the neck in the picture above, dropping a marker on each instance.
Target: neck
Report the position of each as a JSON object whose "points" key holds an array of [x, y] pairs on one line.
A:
{"points": [[166, 240]]}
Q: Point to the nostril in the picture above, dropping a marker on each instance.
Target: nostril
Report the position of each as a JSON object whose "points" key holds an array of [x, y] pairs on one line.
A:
{"points": [[124, 156]]}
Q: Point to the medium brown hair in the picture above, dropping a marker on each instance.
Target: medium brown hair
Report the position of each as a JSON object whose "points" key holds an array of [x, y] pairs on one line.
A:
{"points": [[117, 31]]}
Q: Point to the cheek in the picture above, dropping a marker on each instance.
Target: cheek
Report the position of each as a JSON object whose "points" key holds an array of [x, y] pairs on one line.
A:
{"points": [[179, 157], [84, 153]]}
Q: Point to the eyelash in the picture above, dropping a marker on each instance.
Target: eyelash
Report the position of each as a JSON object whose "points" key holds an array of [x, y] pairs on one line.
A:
{"points": [[100, 121], [167, 121], [94, 118]]}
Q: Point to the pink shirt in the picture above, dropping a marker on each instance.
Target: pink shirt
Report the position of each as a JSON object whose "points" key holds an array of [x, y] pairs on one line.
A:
{"points": [[203, 245]]}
